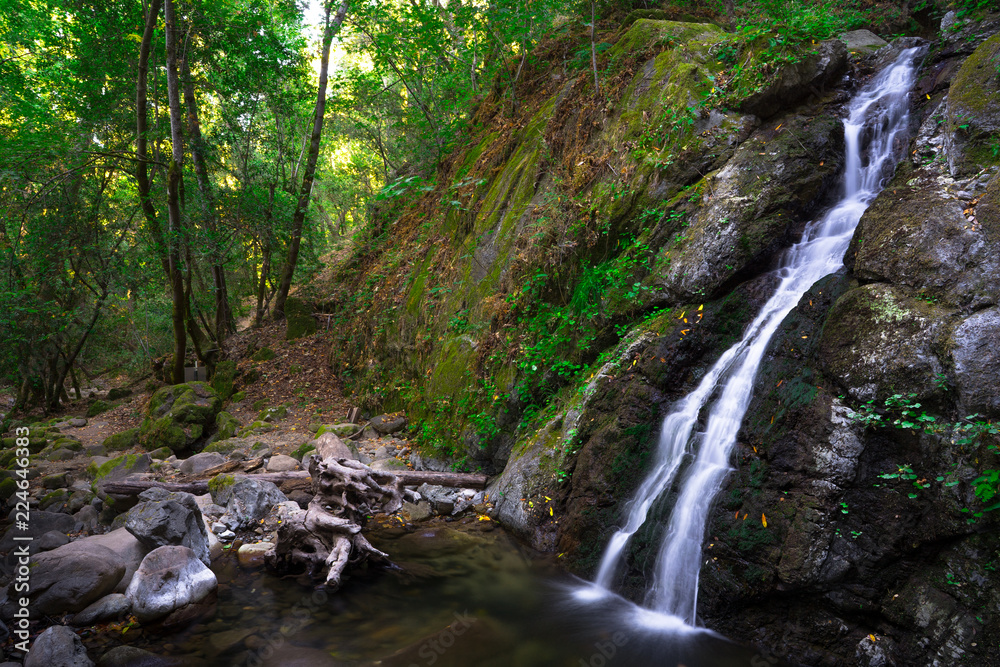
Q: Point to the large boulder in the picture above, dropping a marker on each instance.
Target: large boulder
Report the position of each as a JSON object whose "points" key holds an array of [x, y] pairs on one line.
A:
{"points": [[128, 548], [179, 416], [169, 519], [916, 236], [389, 423], [169, 579], [58, 646], [247, 501], [71, 577], [879, 341]]}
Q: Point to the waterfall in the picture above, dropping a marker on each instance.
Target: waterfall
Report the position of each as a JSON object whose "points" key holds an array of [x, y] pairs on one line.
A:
{"points": [[874, 133]]}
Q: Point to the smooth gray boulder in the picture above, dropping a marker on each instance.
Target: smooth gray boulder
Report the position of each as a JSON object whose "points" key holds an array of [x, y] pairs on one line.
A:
{"points": [[58, 646], [282, 463], [169, 579], [199, 463], [329, 445], [862, 41], [71, 577], [169, 519], [247, 501], [128, 548]]}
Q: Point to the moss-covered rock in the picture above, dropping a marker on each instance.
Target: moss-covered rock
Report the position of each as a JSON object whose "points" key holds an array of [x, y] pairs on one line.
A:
{"points": [[97, 407], [118, 467], [299, 321], [222, 380], [161, 454], [273, 414], [974, 111], [179, 415], [127, 439], [119, 392], [226, 427], [818, 66], [303, 449], [339, 430], [218, 485]]}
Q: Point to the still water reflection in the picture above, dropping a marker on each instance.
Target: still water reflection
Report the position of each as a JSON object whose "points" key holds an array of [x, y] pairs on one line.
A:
{"points": [[460, 597]]}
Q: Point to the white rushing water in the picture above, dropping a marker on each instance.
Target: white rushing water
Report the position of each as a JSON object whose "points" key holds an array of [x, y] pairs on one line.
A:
{"points": [[879, 113]]}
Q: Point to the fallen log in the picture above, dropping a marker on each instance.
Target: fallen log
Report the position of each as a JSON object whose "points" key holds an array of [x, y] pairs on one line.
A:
{"points": [[198, 487]]}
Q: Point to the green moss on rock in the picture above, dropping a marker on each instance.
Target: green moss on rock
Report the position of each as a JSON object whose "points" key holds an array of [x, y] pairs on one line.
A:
{"points": [[299, 321], [222, 380], [122, 440], [97, 407]]}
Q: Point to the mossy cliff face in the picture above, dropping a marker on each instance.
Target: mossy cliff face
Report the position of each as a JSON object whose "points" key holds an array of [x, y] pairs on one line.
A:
{"points": [[587, 258]]}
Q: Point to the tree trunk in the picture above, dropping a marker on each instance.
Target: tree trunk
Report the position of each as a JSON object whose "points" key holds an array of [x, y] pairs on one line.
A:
{"points": [[224, 322], [174, 178], [298, 219], [142, 139]]}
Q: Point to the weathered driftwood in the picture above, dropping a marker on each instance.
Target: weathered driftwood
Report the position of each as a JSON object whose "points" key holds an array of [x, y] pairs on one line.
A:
{"points": [[324, 538], [128, 487]]}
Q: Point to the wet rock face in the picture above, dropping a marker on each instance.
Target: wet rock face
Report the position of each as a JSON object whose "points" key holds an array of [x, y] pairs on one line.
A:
{"points": [[879, 340], [753, 205]]}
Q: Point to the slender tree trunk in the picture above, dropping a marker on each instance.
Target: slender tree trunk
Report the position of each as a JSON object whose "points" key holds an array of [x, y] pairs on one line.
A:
{"points": [[142, 135], [224, 322], [71, 357], [288, 270], [174, 177]]}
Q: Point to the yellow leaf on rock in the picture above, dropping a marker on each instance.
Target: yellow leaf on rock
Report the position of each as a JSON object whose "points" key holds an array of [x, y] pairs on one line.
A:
{"points": [[763, 520]]}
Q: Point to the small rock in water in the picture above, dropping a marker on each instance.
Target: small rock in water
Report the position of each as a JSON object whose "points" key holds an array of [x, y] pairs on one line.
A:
{"points": [[252, 555]]}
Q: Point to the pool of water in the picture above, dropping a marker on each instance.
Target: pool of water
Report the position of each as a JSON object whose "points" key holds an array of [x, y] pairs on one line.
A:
{"points": [[462, 594]]}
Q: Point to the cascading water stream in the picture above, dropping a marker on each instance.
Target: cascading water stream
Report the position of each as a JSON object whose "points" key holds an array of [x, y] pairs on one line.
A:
{"points": [[881, 108]]}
